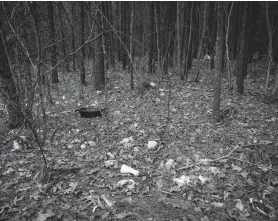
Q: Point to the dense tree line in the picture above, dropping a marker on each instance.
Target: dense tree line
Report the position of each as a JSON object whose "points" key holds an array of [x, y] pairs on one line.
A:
{"points": [[41, 40]]}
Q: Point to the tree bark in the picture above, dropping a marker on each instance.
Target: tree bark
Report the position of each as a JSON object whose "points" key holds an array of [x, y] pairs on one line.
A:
{"points": [[188, 53], [151, 49], [242, 60], [72, 35], [82, 37], [8, 87], [99, 63], [218, 65], [52, 40], [179, 38], [270, 50], [200, 47], [63, 41], [131, 46]]}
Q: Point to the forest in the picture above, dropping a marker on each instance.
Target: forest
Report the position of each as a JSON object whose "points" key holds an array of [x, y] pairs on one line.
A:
{"points": [[129, 110]]}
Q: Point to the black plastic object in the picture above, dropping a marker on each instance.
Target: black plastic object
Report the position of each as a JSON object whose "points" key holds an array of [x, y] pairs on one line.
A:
{"points": [[90, 112]]}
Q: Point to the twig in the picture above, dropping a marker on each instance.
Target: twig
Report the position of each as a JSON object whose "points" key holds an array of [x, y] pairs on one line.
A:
{"points": [[228, 156], [223, 157], [254, 164]]}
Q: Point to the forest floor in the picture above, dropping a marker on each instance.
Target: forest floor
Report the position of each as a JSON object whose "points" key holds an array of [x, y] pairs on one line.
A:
{"points": [[189, 168]]}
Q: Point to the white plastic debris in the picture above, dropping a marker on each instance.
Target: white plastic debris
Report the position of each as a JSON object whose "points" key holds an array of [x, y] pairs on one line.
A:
{"points": [[203, 179], [181, 181], [91, 143], [129, 184], [152, 144], [126, 169], [109, 163], [152, 84], [15, 145], [99, 92], [169, 164], [126, 140]]}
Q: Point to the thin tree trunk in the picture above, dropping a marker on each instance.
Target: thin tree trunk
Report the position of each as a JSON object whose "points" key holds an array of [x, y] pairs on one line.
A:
{"points": [[37, 67], [72, 35], [242, 61], [111, 36], [99, 63], [82, 37], [200, 47], [131, 45], [63, 42], [270, 50], [157, 27], [218, 64], [179, 49], [119, 45], [8, 86], [52, 40], [151, 51], [188, 56], [228, 61]]}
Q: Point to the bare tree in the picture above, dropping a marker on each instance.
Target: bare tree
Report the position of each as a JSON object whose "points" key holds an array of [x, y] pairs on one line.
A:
{"points": [[52, 40], [99, 62], [242, 59], [188, 52], [179, 40], [131, 46], [8, 86], [218, 62], [82, 38], [270, 46], [200, 47], [228, 61], [151, 49]]}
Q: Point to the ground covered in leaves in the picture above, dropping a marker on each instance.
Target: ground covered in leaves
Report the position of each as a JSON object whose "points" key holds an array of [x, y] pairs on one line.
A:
{"points": [[189, 168]]}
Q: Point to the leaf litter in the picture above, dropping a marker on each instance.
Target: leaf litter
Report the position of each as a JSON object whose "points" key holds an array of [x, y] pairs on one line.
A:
{"points": [[148, 167]]}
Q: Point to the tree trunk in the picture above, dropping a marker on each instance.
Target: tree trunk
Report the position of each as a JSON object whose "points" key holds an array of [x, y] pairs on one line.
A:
{"points": [[82, 37], [188, 53], [9, 95], [124, 33], [99, 62], [151, 49], [218, 65], [157, 29], [228, 60], [270, 50], [63, 42], [200, 47], [131, 46], [72, 35], [179, 38], [118, 15], [242, 60], [52, 40], [111, 36]]}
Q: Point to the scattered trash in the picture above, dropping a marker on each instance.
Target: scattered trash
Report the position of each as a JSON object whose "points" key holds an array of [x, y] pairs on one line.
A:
{"points": [[126, 140], [152, 144], [129, 184], [110, 163], [181, 181], [126, 169], [169, 164], [16, 146]]}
